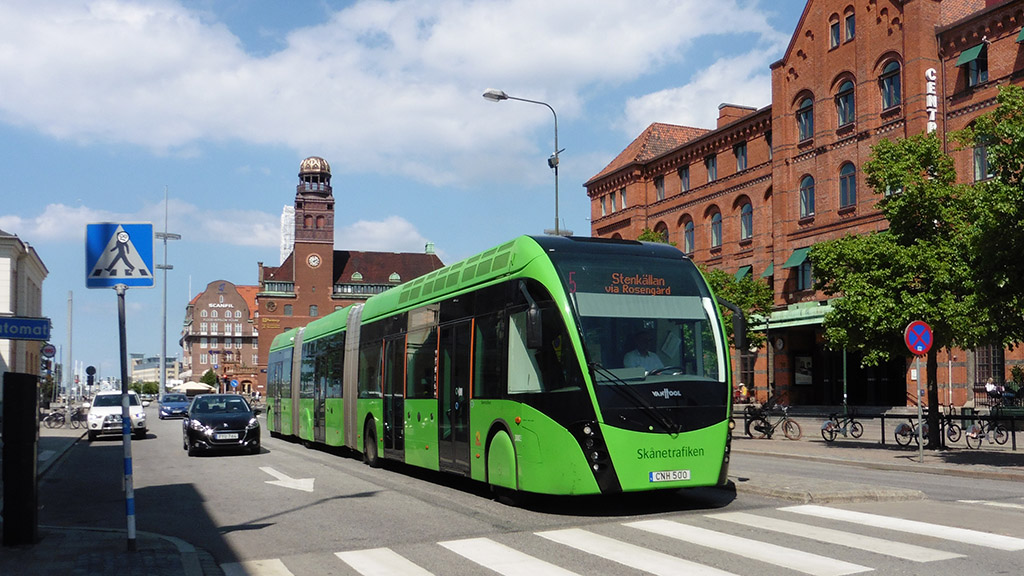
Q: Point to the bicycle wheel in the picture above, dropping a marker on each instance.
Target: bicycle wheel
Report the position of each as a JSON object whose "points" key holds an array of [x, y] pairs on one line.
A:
{"points": [[856, 429], [48, 420], [903, 434], [1000, 434], [828, 431], [973, 436], [761, 428], [953, 432], [791, 428], [75, 422]]}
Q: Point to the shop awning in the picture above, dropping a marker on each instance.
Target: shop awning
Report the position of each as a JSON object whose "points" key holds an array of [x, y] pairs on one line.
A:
{"points": [[797, 257], [743, 272], [970, 55], [769, 271]]}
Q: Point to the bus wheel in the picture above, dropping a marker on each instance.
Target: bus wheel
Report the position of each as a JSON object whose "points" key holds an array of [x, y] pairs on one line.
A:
{"points": [[370, 446]]}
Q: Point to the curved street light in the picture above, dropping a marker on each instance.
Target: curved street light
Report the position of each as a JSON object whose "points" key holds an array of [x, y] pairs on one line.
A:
{"points": [[497, 96]]}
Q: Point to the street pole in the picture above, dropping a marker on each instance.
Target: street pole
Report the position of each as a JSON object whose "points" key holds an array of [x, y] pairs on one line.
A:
{"points": [[165, 236], [126, 420]]}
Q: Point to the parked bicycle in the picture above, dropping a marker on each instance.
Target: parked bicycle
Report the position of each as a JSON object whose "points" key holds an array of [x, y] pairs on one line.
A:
{"points": [[907, 432], [763, 427], [952, 429], [78, 417], [55, 419], [986, 430], [847, 425]]}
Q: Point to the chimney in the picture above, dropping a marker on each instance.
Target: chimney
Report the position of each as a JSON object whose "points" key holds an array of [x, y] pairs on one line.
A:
{"points": [[731, 112]]}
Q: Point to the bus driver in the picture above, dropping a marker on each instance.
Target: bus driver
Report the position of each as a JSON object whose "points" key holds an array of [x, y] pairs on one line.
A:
{"points": [[643, 356]]}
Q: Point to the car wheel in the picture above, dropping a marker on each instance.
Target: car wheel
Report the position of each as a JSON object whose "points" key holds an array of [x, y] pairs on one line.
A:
{"points": [[140, 434], [92, 436], [191, 450]]}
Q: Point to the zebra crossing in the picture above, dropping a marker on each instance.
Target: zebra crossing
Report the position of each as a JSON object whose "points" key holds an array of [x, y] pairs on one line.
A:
{"points": [[718, 534]]}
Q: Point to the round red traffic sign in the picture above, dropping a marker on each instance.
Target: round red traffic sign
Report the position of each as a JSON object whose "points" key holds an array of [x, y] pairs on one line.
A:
{"points": [[48, 350], [918, 337]]}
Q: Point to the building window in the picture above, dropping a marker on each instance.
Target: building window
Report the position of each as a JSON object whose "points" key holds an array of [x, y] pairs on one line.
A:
{"points": [[214, 327], [659, 187], [203, 314], [688, 237], [255, 360], [203, 328], [740, 150], [805, 119], [768, 141], [203, 343], [982, 170], [974, 61], [684, 179], [313, 311], [890, 85], [662, 231], [716, 230], [204, 358], [604, 205], [989, 362], [287, 309], [806, 197], [611, 197], [711, 163], [622, 197], [804, 280], [213, 314], [851, 27], [833, 34], [844, 104], [746, 221], [847, 185]]}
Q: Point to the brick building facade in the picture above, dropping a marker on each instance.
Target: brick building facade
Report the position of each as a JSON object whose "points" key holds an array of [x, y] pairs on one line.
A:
{"points": [[220, 334], [315, 279], [754, 194]]}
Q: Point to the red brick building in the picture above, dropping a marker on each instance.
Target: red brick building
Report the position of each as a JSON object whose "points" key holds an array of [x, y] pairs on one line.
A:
{"points": [[220, 334], [752, 195], [315, 279]]}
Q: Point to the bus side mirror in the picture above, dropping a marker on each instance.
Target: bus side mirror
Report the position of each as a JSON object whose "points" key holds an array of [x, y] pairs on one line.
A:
{"points": [[739, 325]]}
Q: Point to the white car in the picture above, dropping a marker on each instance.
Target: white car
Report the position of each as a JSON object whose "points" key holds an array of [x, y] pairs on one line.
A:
{"points": [[105, 415]]}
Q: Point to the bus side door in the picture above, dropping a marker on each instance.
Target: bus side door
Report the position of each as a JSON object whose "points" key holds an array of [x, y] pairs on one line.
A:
{"points": [[453, 371], [394, 398]]}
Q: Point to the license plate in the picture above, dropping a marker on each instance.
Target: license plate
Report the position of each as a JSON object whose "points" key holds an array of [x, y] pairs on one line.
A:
{"points": [[226, 436], [669, 475]]}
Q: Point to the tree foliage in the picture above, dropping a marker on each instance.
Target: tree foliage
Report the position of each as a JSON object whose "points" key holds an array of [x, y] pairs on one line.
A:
{"points": [[210, 377]]}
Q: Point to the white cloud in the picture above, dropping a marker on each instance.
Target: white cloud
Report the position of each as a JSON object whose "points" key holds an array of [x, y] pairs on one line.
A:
{"points": [[379, 86], [394, 234], [744, 80]]}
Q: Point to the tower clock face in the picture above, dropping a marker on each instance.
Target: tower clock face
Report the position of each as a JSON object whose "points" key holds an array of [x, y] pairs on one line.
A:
{"points": [[313, 260]]}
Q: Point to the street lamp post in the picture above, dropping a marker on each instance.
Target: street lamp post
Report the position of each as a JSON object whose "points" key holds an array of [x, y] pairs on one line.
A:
{"points": [[499, 95], [165, 236]]}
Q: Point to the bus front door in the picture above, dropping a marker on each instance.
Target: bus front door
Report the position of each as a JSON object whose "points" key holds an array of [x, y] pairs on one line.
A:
{"points": [[454, 369]]}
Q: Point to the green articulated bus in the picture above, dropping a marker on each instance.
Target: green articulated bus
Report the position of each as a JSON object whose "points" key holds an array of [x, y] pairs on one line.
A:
{"points": [[515, 368]]}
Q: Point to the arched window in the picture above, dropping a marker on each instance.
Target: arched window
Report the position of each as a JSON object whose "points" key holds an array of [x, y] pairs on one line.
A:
{"points": [[746, 221], [805, 119], [889, 84], [806, 197], [662, 231], [847, 185], [688, 237], [844, 103], [716, 230]]}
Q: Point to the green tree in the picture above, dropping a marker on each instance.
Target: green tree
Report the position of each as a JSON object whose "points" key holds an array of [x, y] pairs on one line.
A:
{"points": [[754, 297], [210, 377], [920, 269], [999, 215]]}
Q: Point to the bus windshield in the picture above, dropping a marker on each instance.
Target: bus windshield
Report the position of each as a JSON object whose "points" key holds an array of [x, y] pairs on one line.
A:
{"points": [[651, 325]]}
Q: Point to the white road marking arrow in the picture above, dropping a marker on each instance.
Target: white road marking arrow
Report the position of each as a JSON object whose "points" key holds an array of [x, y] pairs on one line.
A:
{"points": [[304, 484]]}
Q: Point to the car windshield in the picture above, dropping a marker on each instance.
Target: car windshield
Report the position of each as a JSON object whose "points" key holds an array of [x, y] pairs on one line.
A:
{"points": [[114, 400], [220, 405], [174, 398]]}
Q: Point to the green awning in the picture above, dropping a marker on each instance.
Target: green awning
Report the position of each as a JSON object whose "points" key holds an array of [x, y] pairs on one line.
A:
{"points": [[797, 257], [743, 272], [770, 270], [970, 55], [1020, 37]]}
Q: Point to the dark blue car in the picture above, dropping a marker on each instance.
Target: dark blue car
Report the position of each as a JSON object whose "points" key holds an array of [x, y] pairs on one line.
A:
{"points": [[173, 405]]}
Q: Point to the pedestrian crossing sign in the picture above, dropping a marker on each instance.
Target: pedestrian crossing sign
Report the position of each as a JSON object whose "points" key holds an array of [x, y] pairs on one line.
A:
{"points": [[118, 254]]}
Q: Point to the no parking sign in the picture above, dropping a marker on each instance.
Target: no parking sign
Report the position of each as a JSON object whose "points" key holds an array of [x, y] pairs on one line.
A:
{"points": [[918, 337]]}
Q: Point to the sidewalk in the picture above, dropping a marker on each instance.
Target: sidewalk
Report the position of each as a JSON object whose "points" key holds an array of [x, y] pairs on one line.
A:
{"points": [[98, 552], [82, 550]]}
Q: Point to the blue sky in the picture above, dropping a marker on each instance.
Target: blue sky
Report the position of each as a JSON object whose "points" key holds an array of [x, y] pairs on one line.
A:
{"points": [[107, 104]]}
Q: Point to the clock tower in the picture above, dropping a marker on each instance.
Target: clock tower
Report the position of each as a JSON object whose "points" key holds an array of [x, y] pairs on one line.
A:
{"points": [[314, 203]]}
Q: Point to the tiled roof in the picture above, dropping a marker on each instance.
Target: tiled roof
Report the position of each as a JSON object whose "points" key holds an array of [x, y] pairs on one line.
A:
{"points": [[374, 267], [248, 293], [377, 267], [953, 10], [656, 140]]}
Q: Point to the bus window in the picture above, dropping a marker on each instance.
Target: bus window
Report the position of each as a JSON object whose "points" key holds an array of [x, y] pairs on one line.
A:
{"points": [[421, 355]]}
